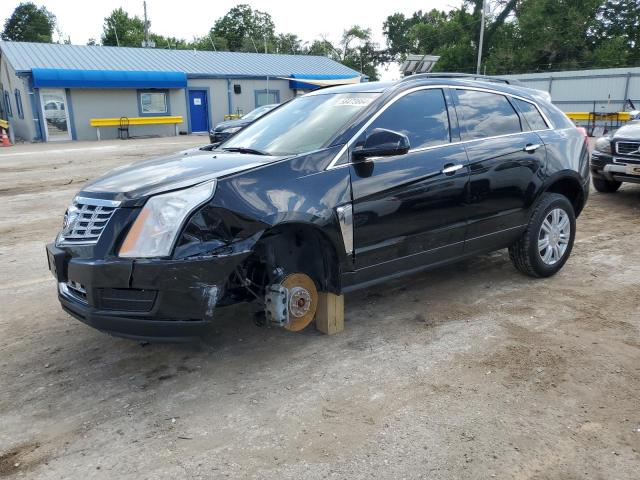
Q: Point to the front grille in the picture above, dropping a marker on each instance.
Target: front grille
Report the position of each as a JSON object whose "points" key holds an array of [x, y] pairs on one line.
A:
{"points": [[85, 220], [628, 148], [125, 299]]}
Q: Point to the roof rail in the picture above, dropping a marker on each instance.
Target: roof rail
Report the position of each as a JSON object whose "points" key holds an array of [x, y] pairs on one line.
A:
{"points": [[467, 76]]}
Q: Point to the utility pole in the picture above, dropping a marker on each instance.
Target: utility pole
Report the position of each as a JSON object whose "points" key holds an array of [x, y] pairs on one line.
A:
{"points": [[115, 31], [147, 43], [484, 10]]}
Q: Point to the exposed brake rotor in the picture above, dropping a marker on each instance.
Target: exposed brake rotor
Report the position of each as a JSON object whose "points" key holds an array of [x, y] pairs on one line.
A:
{"points": [[303, 300]]}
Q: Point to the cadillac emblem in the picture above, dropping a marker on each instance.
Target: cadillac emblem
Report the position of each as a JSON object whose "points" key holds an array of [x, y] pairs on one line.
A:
{"points": [[70, 219]]}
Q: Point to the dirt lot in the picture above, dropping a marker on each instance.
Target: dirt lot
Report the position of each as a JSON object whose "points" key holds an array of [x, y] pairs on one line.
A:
{"points": [[469, 372]]}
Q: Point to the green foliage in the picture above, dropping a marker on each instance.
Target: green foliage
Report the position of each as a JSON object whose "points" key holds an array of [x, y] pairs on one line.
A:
{"points": [[122, 30], [29, 23], [522, 35], [245, 29]]}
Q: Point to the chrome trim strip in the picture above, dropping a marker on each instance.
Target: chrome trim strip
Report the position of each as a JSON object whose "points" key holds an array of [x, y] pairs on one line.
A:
{"points": [[341, 152], [408, 256], [345, 218], [97, 202], [504, 230]]}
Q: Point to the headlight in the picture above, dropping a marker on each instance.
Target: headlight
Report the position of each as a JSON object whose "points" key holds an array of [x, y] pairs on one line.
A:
{"points": [[231, 130], [154, 231], [603, 144]]}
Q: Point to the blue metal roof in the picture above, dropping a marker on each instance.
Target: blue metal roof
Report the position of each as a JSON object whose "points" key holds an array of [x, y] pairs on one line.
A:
{"points": [[54, 77], [25, 56]]}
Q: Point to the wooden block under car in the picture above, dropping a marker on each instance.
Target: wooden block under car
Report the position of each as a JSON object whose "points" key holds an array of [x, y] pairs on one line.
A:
{"points": [[330, 313]]}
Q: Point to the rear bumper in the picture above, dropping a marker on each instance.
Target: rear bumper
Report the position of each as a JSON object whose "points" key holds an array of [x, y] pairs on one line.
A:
{"points": [[157, 300]]}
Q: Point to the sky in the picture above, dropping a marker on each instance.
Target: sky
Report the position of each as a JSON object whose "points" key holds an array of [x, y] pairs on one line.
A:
{"points": [[83, 19]]}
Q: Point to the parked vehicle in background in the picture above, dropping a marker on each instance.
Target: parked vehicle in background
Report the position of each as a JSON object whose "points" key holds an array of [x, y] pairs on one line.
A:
{"points": [[334, 191], [224, 130], [616, 158]]}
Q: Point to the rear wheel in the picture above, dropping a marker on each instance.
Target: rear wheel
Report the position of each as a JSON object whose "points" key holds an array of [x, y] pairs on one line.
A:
{"points": [[546, 244], [606, 186]]}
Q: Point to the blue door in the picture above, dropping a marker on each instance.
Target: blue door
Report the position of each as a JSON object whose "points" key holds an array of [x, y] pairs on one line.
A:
{"points": [[199, 110]]}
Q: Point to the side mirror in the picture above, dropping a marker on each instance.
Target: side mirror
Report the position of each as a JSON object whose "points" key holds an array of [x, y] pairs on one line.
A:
{"points": [[382, 143]]}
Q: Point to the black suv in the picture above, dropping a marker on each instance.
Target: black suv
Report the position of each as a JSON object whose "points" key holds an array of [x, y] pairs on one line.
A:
{"points": [[616, 159], [333, 191]]}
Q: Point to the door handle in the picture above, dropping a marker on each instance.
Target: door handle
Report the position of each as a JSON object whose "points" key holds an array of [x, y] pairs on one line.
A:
{"points": [[531, 147], [450, 168]]}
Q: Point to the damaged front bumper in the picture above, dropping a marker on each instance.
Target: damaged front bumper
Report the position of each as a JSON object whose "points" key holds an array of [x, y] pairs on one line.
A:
{"points": [[143, 299]]}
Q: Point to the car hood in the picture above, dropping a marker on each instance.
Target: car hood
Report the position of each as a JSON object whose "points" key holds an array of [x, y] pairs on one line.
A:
{"points": [[231, 123], [630, 131], [139, 180]]}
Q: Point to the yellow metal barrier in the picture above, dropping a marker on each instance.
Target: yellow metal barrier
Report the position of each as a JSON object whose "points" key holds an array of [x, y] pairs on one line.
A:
{"points": [[602, 116], [115, 122]]}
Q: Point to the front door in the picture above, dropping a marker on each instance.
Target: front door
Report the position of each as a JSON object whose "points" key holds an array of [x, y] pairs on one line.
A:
{"points": [[409, 210], [506, 162], [199, 111], [54, 111]]}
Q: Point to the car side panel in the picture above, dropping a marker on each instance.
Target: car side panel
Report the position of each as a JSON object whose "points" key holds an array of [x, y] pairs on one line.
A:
{"points": [[503, 181], [405, 205], [298, 190]]}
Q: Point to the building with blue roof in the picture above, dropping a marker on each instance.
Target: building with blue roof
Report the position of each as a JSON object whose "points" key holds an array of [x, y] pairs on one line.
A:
{"points": [[58, 92]]}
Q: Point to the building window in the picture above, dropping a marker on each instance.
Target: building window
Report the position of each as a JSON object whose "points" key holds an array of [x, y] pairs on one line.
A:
{"points": [[7, 104], [264, 97], [19, 104], [153, 102]]}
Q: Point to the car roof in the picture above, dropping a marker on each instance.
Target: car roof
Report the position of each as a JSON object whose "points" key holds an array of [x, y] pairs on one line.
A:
{"points": [[364, 87], [453, 80]]}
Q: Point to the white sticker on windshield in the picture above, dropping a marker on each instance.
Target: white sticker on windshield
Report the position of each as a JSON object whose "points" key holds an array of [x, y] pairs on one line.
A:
{"points": [[354, 101]]}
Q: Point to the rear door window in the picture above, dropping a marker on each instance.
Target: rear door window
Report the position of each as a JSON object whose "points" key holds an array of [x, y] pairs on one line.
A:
{"points": [[483, 114], [531, 115], [422, 116]]}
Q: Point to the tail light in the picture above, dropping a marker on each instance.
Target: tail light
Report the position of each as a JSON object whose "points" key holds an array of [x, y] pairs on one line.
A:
{"points": [[584, 133]]}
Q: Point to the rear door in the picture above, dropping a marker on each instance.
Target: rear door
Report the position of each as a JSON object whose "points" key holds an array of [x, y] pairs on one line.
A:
{"points": [[409, 209], [506, 166]]}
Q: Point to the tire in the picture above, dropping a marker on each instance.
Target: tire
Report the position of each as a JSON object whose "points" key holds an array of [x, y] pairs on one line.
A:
{"points": [[529, 254], [606, 186]]}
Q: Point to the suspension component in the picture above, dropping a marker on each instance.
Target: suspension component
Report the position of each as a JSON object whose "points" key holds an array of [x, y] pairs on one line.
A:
{"points": [[292, 302]]}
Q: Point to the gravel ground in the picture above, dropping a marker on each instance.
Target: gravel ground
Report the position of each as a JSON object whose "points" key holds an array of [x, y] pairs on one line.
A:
{"points": [[472, 371]]}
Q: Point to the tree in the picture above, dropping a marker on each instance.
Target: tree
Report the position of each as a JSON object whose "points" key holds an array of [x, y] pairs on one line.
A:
{"points": [[288, 43], [245, 29], [28, 23], [209, 42], [618, 27], [324, 48], [522, 35], [122, 30], [553, 34], [358, 51]]}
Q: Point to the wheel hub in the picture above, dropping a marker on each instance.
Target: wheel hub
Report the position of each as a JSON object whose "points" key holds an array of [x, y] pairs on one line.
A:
{"points": [[299, 301], [554, 236]]}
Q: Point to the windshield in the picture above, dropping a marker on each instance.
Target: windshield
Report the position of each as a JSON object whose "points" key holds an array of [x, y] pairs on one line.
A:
{"points": [[258, 112], [302, 125]]}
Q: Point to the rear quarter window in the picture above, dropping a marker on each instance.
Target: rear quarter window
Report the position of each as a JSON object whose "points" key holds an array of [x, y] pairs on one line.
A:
{"points": [[531, 115], [483, 114]]}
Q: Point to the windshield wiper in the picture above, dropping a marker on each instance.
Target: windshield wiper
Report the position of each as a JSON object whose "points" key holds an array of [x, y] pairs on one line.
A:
{"points": [[245, 150]]}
